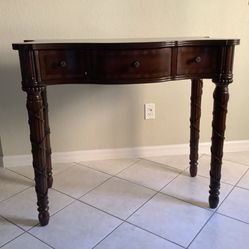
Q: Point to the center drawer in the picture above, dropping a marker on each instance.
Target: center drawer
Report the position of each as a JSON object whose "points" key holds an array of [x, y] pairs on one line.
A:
{"points": [[131, 64]]}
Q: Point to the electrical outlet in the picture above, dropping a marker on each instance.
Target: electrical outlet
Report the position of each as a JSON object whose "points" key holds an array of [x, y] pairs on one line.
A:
{"points": [[150, 111]]}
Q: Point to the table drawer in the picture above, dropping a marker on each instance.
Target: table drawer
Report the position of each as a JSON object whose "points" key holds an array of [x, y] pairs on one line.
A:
{"points": [[131, 64], [196, 60], [62, 65]]}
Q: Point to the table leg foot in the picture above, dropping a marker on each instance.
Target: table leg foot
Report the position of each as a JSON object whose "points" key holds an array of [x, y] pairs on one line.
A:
{"points": [[213, 201], [193, 170], [43, 218]]}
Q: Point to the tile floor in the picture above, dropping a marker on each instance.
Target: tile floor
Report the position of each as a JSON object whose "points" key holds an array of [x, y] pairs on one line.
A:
{"points": [[138, 203]]}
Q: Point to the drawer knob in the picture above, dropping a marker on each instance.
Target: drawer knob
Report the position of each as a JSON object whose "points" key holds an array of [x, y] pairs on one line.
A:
{"points": [[197, 59], [136, 64], [62, 64]]}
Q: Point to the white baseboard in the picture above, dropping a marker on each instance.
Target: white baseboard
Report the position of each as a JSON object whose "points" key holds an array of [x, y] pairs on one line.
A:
{"points": [[148, 151]]}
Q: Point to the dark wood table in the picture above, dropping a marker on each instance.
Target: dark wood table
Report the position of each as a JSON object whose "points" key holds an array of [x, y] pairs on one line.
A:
{"points": [[45, 63]]}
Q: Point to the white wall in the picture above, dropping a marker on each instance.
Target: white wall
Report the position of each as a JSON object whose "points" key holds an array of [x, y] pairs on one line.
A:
{"points": [[96, 117]]}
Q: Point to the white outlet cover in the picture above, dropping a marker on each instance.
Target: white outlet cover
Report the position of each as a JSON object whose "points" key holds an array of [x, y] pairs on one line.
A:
{"points": [[150, 111]]}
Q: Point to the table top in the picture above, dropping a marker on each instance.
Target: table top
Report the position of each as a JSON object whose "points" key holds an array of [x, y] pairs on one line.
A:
{"points": [[125, 43]]}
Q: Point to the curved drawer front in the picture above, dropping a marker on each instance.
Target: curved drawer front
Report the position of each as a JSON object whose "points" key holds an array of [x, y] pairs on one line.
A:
{"points": [[197, 60], [131, 64], [62, 65], [126, 65]]}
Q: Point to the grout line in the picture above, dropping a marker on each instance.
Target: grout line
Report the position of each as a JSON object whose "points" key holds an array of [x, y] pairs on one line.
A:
{"points": [[61, 192], [40, 240], [13, 223], [20, 174], [32, 168], [244, 188], [107, 235], [19, 192], [12, 240], [106, 180], [233, 218], [103, 211], [132, 164], [157, 235], [201, 229], [236, 184], [230, 160], [98, 170], [167, 165]]}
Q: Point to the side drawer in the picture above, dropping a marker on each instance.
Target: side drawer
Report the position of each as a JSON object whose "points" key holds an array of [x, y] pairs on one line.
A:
{"points": [[62, 65], [197, 60]]}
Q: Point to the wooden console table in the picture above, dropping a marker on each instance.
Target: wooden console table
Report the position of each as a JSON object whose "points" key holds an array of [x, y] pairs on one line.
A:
{"points": [[45, 63]]}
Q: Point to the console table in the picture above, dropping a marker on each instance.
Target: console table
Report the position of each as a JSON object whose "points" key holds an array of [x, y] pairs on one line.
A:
{"points": [[45, 63]]}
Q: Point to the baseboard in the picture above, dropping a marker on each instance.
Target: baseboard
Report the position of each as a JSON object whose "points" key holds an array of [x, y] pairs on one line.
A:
{"points": [[148, 151]]}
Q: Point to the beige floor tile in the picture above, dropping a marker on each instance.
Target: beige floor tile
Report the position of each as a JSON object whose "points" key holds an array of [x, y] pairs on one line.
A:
{"points": [[236, 205], [149, 174], [231, 172], [26, 241], [28, 170], [194, 189], [244, 182], [8, 231], [239, 157], [78, 226], [175, 161], [170, 218], [78, 180], [129, 236], [12, 183], [118, 197], [222, 233], [21, 209], [111, 167]]}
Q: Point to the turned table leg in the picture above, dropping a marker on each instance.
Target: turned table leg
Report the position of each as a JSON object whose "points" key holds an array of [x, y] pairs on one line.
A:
{"points": [[37, 137], [196, 94], [221, 96], [47, 134]]}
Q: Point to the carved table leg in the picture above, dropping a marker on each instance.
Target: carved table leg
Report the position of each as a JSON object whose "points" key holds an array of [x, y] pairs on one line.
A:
{"points": [[47, 134], [37, 138], [221, 96], [196, 93]]}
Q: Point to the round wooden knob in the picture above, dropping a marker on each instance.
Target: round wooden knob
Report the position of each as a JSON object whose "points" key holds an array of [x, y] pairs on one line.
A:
{"points": [[63, 63], [197, 59], [136, 64]]}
